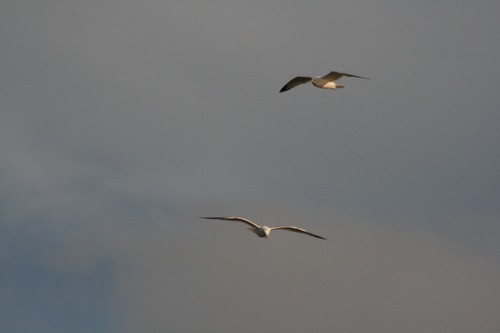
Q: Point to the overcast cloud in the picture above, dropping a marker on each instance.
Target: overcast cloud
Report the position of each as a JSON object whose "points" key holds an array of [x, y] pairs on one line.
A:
{"points": [[122, 121]]}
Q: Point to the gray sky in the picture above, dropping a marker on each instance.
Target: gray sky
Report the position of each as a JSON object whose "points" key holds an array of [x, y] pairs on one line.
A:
{"points": [[122, 121]]}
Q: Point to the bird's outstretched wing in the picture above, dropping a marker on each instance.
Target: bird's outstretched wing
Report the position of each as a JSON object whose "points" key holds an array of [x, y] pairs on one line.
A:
{"points": [[231, 218], [334, 76], [297, 229], [295, 82]]}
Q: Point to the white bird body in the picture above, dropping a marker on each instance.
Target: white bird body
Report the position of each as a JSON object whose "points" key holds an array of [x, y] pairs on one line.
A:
{"points": [[324, 82], [262, 230], [319, 82]]}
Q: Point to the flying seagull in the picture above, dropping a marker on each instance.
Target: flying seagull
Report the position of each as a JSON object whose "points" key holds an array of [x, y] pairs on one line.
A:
{"points": [[262, 230], [325, 82]]}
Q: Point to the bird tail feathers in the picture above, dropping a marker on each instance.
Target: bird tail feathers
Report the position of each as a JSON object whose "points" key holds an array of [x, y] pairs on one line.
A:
{"points": [[338, 86]]}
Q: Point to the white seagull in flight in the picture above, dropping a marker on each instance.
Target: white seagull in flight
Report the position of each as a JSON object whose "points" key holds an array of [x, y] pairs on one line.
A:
{"points": [[325, 82], [262, 230]]}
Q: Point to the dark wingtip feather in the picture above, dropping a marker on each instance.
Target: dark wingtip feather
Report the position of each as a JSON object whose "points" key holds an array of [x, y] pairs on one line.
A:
{"points": [[359, 77], [311, 234]]}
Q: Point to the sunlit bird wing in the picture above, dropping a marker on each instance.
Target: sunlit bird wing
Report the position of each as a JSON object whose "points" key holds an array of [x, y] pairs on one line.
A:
{"points": [[232, 218], [297, 229]]}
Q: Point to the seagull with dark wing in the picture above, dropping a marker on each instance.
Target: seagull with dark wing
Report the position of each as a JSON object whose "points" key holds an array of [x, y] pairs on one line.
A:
{"points": [[324, 82], [262, 230]]}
